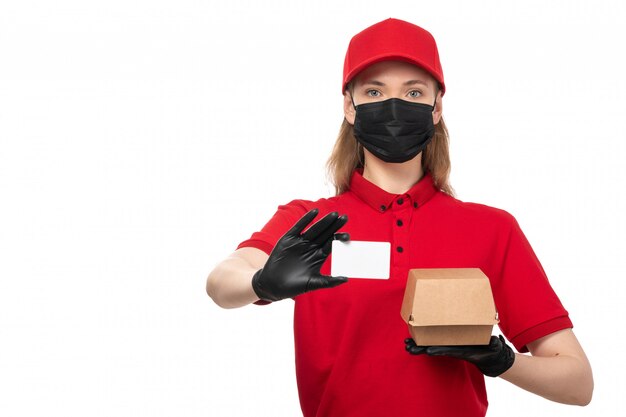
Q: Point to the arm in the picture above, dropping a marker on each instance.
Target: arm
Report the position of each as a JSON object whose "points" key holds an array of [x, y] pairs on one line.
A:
{"points": [[291, 269], [557, 370], [230, 282]]}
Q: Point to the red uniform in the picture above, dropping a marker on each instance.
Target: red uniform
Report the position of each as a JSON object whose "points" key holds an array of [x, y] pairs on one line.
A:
{"points": [[350, 355]]}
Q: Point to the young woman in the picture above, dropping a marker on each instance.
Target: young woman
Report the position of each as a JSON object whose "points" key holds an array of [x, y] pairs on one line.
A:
{"points": [[390, 167]]}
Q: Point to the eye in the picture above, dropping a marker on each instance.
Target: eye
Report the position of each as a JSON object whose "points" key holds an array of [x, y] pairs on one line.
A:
{"points": [[373, 93], [414, 93]]}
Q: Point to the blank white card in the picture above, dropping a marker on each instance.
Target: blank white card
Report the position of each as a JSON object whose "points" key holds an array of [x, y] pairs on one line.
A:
{"points": [[361, 259]]}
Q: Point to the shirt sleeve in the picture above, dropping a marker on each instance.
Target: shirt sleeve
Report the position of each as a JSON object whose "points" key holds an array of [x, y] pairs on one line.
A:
{"points": [[528, 307], [285, 217]]}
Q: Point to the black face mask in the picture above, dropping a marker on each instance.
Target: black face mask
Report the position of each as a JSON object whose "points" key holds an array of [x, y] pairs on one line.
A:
{"points": [[394, 130]]}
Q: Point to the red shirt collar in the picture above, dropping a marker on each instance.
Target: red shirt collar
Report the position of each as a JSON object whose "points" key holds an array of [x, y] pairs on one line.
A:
{"points": [[380, 200]]}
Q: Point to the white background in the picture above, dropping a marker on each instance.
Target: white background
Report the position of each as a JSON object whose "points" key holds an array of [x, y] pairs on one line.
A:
{"points": [[141, 141]]}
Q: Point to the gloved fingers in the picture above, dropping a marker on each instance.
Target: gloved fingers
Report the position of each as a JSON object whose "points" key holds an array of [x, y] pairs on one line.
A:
{"points": [[412, 348], [497, 343], [329, 233], [318, 227], [452, 351], [324, 229], [324, 281], [299, 226], [328, 246]]}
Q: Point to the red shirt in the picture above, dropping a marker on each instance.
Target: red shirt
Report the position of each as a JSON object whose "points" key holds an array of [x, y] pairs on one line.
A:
{"points": [[350, 355]]}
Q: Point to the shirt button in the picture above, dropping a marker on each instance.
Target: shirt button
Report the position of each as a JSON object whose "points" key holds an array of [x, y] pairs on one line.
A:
{"points": [[415, 204], [399, 249], [399, 222], [383, 208], [400, 201]]}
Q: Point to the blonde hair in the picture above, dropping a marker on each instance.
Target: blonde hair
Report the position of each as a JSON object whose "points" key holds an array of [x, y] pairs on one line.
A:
{"points": [[347, 155]]}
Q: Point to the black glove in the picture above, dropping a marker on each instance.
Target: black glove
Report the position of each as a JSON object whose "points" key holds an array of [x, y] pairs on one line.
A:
{"points": [[293, 267], [491, 360]]}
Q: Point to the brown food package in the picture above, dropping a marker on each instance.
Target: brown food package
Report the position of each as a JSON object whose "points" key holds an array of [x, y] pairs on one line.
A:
{"points": [[449, 306]]}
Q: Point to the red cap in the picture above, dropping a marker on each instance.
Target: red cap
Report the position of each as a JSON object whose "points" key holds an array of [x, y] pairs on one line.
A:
{"points": [[392, 39]]}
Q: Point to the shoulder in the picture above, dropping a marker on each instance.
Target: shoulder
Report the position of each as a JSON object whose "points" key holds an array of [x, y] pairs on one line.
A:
{"points": [[303, 206], [475, 212]]}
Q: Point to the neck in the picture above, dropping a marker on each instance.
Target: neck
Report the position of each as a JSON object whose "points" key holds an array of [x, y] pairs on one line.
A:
{"points": [[391, 177]]}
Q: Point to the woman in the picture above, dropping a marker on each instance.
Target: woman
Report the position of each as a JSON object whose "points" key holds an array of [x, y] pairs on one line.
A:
{"points": [[390, 166]]}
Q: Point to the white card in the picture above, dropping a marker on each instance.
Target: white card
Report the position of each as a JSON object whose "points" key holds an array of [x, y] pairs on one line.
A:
{"points": [[360, 259]]}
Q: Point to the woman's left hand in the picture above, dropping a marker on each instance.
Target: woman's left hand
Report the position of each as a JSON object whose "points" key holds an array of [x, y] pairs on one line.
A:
{"points": [[492, 360]]}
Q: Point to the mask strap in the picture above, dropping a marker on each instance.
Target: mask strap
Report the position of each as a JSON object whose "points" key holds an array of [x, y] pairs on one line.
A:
{"points": [[435, 104]]}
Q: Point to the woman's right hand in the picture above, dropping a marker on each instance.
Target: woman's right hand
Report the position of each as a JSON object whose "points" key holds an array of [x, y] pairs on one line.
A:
{"points": [[293, 267]]}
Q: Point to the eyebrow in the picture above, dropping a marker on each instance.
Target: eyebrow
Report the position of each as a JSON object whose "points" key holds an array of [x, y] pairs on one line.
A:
{"points": [[410, 82]]}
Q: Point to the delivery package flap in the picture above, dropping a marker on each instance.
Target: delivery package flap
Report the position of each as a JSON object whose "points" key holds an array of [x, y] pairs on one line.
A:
{"points": [[449, 306]]}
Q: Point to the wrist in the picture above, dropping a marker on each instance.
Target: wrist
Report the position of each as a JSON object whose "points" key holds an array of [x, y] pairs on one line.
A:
{"points": [[259, 290], [501, 363]]}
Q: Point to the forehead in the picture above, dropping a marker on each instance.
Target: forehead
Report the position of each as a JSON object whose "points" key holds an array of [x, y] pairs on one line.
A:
{"points": [[394, 70]]}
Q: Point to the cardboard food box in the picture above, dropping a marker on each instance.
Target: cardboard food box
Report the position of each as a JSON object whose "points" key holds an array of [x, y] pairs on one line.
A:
{"points": [[445, 307]]}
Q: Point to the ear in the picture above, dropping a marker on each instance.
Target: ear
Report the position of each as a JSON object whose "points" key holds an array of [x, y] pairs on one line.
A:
{"points": [[438, 109], [348, 109]]}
